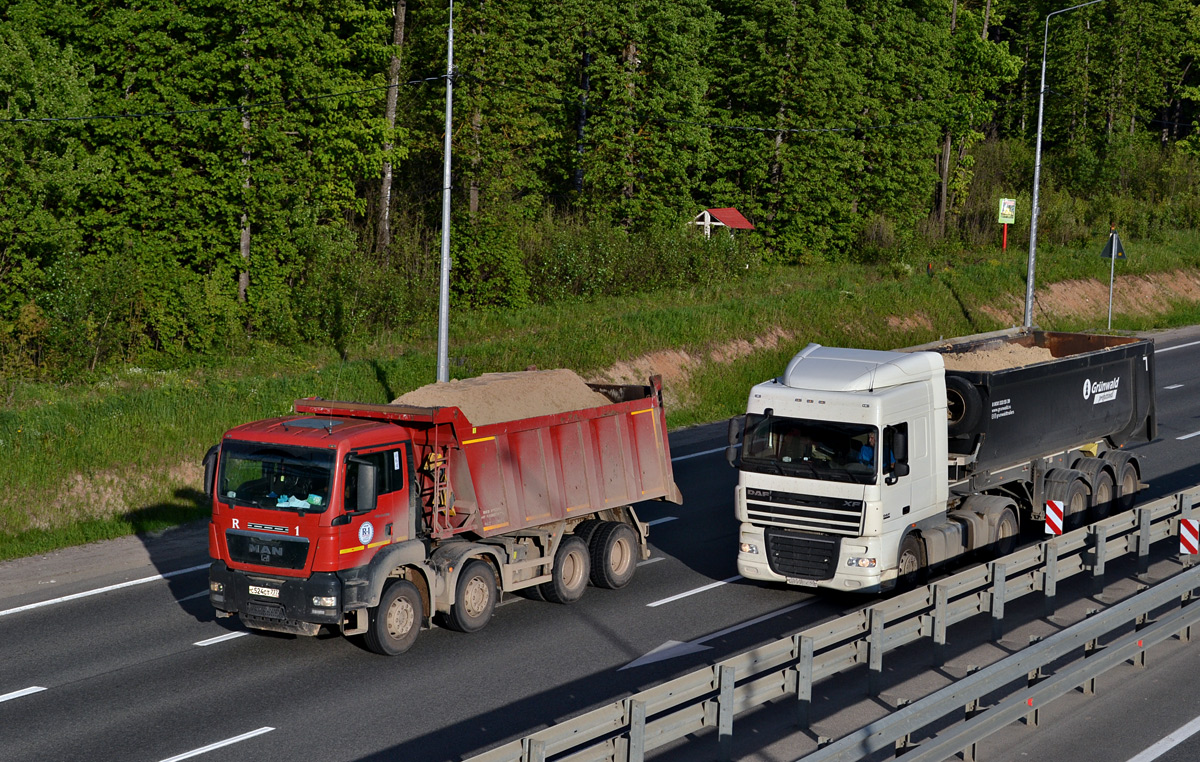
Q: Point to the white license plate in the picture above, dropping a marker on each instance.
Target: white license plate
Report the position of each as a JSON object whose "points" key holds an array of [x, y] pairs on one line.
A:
{"points": [[801, 582], [266, 592]]}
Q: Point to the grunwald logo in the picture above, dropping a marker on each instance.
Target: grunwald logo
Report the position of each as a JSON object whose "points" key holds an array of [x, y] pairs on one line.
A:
{"points": [[1101, 391]]}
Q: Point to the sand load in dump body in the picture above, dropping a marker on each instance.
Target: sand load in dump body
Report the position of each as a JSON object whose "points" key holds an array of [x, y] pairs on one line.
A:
{"points": [[1015, 395]]}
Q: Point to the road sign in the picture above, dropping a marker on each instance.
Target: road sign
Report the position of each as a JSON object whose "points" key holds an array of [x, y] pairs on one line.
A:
{"points": [[1054, 517], [1008, 211], [1113, 245], [1189, 537]]}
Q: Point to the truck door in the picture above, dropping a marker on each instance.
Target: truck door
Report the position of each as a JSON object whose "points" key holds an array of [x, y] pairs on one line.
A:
{"points": [[378, 516], [896, 488]]}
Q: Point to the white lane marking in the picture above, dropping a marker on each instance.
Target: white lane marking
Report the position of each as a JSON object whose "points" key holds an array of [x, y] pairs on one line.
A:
{"points": [[1171, 741], [218, 745], [663, 520], [697, 454], [734, 578], [200, 594], [756, 620], [1174, 386], [656, 559], [23, 692], [1189, 436], [221, 638], [1177, 346], [100, 590]]}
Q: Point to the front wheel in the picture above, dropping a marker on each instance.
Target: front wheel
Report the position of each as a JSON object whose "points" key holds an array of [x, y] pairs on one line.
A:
{"points": [[910, 564], [393, 625]]}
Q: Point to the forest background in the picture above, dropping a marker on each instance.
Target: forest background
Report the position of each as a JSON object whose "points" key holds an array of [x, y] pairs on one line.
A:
{"points": [[211, 207], [188, 177]]}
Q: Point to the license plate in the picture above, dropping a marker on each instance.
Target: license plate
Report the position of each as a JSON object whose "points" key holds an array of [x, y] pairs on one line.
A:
{"points": [[801, 582], [266, 592]]}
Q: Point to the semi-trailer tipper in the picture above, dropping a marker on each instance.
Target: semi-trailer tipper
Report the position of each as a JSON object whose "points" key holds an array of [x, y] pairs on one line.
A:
{"points": [[373, 518], [860, 468]]}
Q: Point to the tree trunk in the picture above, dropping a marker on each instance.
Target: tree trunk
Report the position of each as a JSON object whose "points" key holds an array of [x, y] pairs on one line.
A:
{"points": [[383, 238], [944, 169]]}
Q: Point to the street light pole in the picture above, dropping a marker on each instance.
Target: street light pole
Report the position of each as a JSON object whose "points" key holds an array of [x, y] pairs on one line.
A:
{"points": [[1037, 168], [443, 361]]}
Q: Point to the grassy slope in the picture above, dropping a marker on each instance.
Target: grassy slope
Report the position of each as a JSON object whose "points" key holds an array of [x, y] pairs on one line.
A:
{"points": [[122, 455]]}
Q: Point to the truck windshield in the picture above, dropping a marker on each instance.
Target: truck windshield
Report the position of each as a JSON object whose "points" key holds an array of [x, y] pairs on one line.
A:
{"points": [[826, 450], [275, 476]]}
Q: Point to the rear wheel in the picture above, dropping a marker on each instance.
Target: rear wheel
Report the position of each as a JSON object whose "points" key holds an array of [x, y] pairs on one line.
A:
{"points": [[1126, 486], [1073, 495], [614, 555], [1007, 534], [571, 570], [1102, 495], [474, 597], [393, 625]]}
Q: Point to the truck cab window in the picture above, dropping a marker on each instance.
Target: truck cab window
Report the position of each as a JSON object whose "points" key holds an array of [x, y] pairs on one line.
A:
{"points": [[811, 449]]}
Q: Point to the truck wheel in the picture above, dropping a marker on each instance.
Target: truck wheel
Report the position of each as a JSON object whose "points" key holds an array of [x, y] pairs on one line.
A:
{"points": [[910, 563], [474, 597], [1126, 486], [1008, 531], [586, 530], [614, 555], [393, 625], [1074, 497], [571, 570], [964, 406], [1101, 501]]}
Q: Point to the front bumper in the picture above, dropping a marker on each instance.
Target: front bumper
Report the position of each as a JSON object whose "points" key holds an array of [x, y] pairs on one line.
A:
{"points": [[759, 559], [289, 609]]}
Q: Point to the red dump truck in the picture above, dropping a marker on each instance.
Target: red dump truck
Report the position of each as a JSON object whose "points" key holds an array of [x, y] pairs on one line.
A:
{"points": [[375, 518]]}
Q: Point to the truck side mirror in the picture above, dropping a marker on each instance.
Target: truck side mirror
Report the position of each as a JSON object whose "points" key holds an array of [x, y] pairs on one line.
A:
{"points": [[210, 470], [734, 437]]}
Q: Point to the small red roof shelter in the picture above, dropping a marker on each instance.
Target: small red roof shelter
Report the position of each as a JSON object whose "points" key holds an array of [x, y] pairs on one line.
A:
{"points": [[726, 217]]}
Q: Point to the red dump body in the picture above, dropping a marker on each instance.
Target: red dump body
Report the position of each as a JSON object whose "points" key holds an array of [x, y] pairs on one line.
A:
{"points": [[502, 477]]}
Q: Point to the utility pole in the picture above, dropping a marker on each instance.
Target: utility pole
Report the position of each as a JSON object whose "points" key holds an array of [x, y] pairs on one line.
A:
{"points": [[443, 361], [1037, 168]]}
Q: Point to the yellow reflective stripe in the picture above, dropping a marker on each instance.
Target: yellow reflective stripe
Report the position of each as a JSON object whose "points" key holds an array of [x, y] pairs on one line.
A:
{"points": [[352, 550], [495, 526], [639, 412], [377, 544], [482, 439]]}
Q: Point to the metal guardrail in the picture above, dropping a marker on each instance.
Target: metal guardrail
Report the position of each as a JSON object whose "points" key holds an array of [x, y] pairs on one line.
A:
{"points": [[626, 730]]}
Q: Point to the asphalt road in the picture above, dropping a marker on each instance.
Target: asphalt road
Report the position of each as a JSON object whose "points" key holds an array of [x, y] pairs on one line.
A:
{"points": [[111, 652]]}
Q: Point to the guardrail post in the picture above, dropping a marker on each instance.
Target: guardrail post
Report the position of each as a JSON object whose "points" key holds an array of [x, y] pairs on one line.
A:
{"points": [[875, 653], [1142, 621], [725, 684], [635, 750], [1090, 648], [1185, 600], [534, 751], [1143, 541], [972, 709], [802, 649], [941, 613], [999, 590], [1032, 718], [1099, 538], [1049, 578]]}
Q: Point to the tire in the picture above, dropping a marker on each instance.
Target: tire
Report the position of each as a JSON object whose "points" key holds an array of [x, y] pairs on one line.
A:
{"points": [[474, 597], [614, 551], [910, 563], [1007, 533], [586, 530], [1074, 497], [1126, 486], [393, 625], [964, 406], [1103, 495], [572, 567]]}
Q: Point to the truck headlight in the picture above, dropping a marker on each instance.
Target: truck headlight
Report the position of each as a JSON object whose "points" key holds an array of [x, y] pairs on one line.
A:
{"points": [[861, 562], [748, 547], [324, 600], [215, 587]]}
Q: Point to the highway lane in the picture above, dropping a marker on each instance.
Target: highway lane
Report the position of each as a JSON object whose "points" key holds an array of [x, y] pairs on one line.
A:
{"points": [[124, 679]]}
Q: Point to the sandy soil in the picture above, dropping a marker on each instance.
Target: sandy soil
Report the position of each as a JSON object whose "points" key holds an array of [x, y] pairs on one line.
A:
{"points": [[495, 397]]}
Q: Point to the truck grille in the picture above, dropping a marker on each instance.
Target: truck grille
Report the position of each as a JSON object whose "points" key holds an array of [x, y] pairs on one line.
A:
{"points": [[267, 550], [813, 512], [800, 555]]}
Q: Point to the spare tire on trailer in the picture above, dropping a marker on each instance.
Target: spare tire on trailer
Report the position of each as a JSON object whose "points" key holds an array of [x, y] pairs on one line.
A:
{"points": [[964, 406]]}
